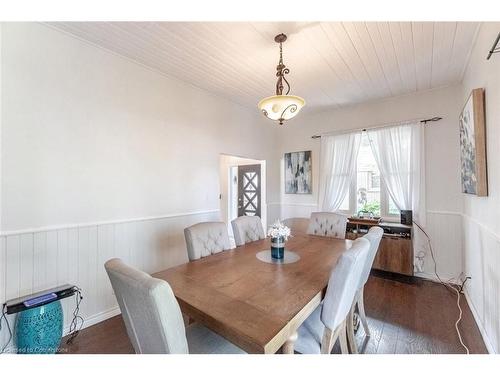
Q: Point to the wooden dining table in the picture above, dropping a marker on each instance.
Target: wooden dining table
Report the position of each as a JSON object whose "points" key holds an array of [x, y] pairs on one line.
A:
{"points": [[258, 306]]}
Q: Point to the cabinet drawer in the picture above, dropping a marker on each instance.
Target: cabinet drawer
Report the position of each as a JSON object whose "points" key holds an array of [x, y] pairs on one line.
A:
{"points": [[395, 254]]}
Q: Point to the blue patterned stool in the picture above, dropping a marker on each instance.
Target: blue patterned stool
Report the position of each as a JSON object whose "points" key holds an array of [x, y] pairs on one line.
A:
{"points": [[39, 330]]}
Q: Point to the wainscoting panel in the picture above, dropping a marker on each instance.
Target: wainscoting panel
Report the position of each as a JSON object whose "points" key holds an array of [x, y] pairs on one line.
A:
{"points": [[445, 231], [273, 213], [482, 264], [38, 260], [297, 210], [443, 227]]}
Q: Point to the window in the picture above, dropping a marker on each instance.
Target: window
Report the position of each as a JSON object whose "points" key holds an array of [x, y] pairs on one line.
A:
{"points": [[345, 204], [367, 192], [374, 181]]}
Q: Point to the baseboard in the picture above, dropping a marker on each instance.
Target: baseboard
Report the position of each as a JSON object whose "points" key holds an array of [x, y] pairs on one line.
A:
{"points": [[433, 277], [410, 279], [97, 318], [407, 279], [485, 337]]}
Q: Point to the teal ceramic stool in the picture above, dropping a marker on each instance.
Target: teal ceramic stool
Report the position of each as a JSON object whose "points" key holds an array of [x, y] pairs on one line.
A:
{"points": [[39, 330]]}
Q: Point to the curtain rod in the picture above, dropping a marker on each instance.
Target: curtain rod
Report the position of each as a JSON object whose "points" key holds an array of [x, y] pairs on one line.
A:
{"points": [[495, 48], [424, 122]]}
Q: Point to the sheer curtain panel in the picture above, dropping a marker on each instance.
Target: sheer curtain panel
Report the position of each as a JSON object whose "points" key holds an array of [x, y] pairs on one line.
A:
{"points": [[338, 165], [399, 153]]}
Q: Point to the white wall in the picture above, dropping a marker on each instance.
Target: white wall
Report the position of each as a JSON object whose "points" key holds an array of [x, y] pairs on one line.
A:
{"points": [[102, 157], [89, 136], [442, 162], [481, 214]]}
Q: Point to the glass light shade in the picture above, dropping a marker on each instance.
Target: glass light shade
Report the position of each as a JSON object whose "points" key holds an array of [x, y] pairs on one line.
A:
{"points": [[281, 107]]}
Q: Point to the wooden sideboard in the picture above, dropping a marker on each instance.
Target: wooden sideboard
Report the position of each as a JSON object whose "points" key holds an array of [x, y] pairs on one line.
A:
{"points": [[395, 253]]}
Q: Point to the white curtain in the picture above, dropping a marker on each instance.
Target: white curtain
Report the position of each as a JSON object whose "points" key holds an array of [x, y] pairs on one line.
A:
{"points": [[338, 165], [399, 153]]}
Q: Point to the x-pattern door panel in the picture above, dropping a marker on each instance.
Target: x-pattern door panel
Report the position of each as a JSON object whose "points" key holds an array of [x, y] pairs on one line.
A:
{"points": [[249, 198]]}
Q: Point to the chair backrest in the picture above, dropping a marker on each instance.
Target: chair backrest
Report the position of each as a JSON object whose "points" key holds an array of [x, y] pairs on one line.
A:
{"points": [[343, 284], [205, 239], [151, 313], [328, 224], [297, 224], [374, 235], [247, 229]]}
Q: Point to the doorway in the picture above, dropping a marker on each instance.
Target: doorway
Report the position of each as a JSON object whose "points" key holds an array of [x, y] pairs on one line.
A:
{"points": [[243, 189], [249, 190]]}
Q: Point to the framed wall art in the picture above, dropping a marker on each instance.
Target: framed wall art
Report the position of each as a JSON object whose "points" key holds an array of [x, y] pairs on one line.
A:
{"points": [[473, 145], [298, 172]]}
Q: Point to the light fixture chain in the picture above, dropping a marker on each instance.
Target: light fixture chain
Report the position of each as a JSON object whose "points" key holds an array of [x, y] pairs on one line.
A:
{"points": [[281, 54], [281, 71]]}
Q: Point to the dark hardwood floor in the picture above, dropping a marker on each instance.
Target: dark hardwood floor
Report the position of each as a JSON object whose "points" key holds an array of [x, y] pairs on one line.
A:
{"points": [[404, 318], [417, 318]]}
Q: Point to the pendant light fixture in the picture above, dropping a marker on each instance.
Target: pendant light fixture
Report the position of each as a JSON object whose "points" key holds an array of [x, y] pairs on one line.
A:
{"points": [[281, 107]]}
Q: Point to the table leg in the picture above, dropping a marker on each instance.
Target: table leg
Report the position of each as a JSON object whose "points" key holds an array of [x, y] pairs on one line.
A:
{"points": [[288, 345]]}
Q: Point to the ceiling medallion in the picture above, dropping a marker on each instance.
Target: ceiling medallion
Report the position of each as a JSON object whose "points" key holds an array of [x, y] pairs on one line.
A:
{"points": [[281, 107]]}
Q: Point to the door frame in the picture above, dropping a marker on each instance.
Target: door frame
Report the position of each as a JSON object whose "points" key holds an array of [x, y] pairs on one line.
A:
{"points": [[226, 162]]}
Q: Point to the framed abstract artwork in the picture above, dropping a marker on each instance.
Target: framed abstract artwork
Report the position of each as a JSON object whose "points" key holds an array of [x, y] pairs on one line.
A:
{"points": [[473, 145], [298, 172]]}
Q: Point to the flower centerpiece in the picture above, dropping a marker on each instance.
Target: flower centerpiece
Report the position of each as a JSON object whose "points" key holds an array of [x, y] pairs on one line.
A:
{"points": [[279, 233]]}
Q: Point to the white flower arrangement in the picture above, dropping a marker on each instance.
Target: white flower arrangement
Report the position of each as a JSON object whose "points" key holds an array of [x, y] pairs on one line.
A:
{"points": [[278, 229]]}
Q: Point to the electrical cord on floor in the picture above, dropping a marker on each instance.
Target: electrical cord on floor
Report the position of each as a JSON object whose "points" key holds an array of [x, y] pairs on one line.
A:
{"points": [[461, 290], [4, 316], [448, 286], [74, 330]]}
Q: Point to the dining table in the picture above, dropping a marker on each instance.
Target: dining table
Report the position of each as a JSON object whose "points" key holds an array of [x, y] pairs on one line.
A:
{"points": [[256, 305]]}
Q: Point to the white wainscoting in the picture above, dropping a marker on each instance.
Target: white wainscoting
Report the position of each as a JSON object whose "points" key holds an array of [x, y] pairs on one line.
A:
{"points": [[443, 227], [38, 259], [482, 264], [289, 210], [273, 213]]}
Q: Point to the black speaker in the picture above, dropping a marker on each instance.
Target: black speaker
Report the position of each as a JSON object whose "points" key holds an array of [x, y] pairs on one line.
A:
{"points": [[406, 217]]}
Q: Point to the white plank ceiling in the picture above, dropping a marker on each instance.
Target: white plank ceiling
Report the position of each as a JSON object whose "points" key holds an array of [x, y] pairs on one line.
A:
{"points": [[331, 64]]}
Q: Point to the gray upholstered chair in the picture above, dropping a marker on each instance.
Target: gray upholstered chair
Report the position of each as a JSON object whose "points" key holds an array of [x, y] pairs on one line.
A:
{"points": [[327, 323], [247, 229], [297, 225], [328, 224], [205, 239], [153, 318], [374, 236]]}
